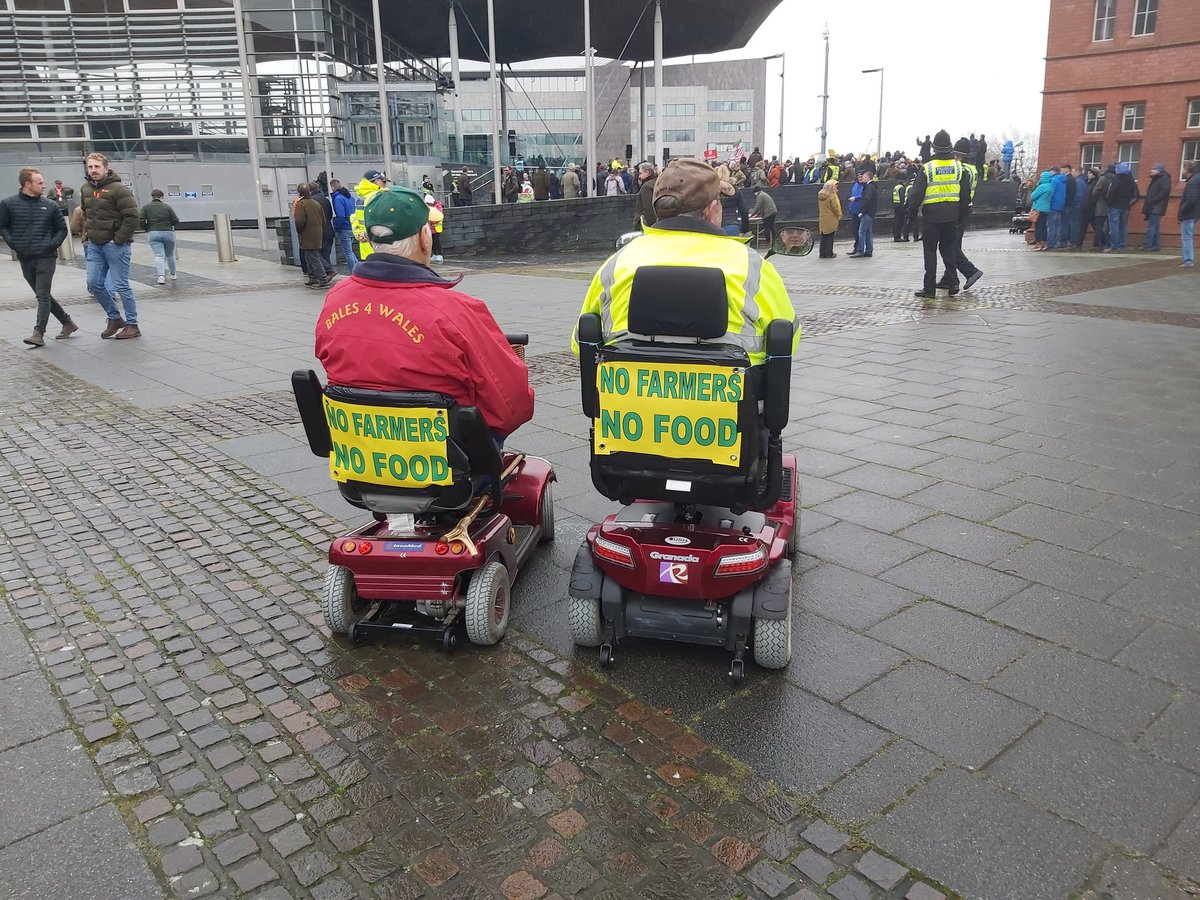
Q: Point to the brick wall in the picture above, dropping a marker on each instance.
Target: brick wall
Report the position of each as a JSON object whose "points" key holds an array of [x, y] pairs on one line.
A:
{"points": [[1161, 70]]}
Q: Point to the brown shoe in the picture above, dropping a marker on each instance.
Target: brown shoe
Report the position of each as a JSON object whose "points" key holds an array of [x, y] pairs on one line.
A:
{"points": [[114, 325], [68, 329], [129, 331], [36, 339]]}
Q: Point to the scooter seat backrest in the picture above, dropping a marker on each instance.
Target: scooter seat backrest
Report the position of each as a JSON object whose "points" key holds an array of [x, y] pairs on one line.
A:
{"points": [[688, 302]]}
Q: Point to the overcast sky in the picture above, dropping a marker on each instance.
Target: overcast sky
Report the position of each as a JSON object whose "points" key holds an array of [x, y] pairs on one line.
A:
{"points": [[939, 71], [966, 67]]}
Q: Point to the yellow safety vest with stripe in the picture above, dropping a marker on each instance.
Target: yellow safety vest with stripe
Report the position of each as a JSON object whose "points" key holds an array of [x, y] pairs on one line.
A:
{"points": [[755, 290], [972, 176], [898, 194], [833, 171], [942, 180]]}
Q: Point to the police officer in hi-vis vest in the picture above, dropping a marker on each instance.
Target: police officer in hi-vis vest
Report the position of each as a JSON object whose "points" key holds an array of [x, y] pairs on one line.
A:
{"points": [[941, 190], [966, 268], [898, 209]]}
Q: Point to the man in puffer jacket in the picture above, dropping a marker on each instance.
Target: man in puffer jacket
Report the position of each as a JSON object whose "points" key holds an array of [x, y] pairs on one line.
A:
{"points": [[110, 216], [1122, 194]]}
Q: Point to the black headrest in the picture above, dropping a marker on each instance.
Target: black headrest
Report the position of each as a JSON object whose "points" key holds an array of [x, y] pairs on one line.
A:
{"points": [[679, 301]]}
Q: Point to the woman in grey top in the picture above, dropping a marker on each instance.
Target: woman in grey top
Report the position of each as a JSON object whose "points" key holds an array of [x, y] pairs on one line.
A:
{"points": [[160, 220]]}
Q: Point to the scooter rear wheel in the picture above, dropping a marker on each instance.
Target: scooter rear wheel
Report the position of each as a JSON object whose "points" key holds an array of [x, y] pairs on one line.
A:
{"points": [[548, 512], [340, 601], [584, 622], [773, 642], [488, 604]]}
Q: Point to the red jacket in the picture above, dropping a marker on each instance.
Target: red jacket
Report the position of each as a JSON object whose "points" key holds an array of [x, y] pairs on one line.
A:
{"points": [[397, 325]]}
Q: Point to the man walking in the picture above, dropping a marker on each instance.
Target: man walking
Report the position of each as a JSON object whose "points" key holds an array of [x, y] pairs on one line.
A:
{"points": [[310, 227], [343, 211], [1154, 206], [965, 267], [110, 216], [941, 190], [1189, 211], [33, 226]]}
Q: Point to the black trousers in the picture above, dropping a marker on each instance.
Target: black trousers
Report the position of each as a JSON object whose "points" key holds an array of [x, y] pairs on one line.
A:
{"points": [[769, 225], [965, 267], [941, 238], [40, 273], [827, 245], [898, 219]]}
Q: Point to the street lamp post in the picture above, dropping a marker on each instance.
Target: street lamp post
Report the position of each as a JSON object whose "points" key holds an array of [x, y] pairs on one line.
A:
{"points": [[879, 133], [317, 56], [782, 57], [825, 95]]}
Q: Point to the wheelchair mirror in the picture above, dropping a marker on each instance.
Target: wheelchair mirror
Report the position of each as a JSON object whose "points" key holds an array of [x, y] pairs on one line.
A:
{"points": [[627, 237], [792, 240]]}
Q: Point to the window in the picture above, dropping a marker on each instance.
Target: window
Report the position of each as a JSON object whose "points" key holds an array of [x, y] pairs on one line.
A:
{"points": [[649, 109], [649, 137], [1130, 153], [532, 115], [1145, 16], [1105, 21], [684, 134], [728, 106], [729, 126], [1191, 154], [1093, 119], [477, 115], [679, 109], [1090, 155], [1134, 117], [1193, 119]]}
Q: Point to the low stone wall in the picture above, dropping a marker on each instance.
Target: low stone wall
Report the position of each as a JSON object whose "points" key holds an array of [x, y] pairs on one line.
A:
{"points": [[594, 223]]}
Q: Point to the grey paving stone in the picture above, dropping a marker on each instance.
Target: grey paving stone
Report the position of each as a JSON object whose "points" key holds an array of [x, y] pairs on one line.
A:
{"points": [[1159, 597], [985, 477], [816, 868], [962, 501], [816, 743], [833, 662], [1168, 652], [985, 843], [1182, 849], [1122, 877], [44, 782], [956, 582], [879, 782], [873, 511], [943, 713], [105, 862], [883, 479], [859, 548], [1056, 527], [884, 872], [853, 599], [954, 640], [825, 837], [27, 710], [1076, 573], [1090, 779], [961, 539], [1106, 699], [1175, 735], [1094, 628], [850, 887], [15, 655], [1047, 492]]}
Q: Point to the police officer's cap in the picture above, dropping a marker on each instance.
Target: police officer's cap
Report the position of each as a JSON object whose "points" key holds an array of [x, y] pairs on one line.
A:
{"points": [[962, 145], [941, 142]]}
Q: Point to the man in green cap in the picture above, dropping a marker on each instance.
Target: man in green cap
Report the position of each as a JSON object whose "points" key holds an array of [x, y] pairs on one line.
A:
{"points": [[395, 324]]}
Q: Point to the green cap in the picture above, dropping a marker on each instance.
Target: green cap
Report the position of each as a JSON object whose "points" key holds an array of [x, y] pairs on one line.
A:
{"points": [[394, 214]]}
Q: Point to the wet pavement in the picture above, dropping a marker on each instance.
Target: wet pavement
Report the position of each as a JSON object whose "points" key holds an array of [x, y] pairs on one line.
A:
{"points": [[994, 690]]}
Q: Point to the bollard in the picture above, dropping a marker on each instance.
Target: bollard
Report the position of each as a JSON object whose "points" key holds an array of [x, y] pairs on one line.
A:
{"points": [[66, 250], [224, 237]]}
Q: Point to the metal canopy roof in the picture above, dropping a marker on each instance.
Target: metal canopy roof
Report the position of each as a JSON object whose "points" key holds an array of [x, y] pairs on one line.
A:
{"points": [[535, 29]]}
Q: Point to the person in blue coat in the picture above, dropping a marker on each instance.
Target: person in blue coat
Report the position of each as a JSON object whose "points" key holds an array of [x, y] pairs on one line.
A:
{"points": [[1057, 232], [1006, 154], [1040, 201]]}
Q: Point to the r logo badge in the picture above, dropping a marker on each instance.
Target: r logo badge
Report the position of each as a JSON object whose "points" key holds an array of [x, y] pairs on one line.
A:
{"points": [[673, 573]]}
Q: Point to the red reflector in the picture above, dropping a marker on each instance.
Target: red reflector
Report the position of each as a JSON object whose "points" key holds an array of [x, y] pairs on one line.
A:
{"points": [[365, 547], [742, 563], [457, 547], [441, 548]]}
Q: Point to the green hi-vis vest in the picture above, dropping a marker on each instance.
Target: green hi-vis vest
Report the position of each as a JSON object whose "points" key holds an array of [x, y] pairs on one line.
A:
{"points": [[898, 194], [942, 177], [973, 177]]}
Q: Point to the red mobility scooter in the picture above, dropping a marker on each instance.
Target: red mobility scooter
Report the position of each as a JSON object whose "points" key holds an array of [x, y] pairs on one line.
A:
{"points": [[453, 517], [686, 435]]}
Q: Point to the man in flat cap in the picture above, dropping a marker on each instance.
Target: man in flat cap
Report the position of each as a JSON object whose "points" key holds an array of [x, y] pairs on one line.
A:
{"points": [[687, 232], [396, 325]]}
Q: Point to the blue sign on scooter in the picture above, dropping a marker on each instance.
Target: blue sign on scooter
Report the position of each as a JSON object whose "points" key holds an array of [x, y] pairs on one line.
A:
{"points": [[403, 546]]}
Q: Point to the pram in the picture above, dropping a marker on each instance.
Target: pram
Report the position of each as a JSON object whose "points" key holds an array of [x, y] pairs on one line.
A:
{"points": [[1021, 221]]}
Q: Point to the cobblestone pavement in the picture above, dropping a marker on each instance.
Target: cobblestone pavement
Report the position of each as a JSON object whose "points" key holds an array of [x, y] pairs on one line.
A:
{"points": [[994, 681]]}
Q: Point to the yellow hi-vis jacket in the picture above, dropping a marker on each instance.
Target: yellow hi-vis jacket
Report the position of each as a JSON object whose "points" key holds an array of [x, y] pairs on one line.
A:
{"points": [[366, 191], [972, 176], [943, 178], [755, 290]]}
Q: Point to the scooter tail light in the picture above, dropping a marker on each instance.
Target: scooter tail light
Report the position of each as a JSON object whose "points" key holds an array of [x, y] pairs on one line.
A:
{"points": [[365, 547], [613, 552], [457, 547], [742, 563], [441, 548], [349, 546]]}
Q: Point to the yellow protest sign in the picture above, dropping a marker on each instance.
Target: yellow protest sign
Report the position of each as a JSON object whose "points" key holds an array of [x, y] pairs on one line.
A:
{"points": [[398, 446], [677, 410]]}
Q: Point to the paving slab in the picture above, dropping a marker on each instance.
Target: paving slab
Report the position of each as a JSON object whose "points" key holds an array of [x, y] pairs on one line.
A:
{"points": [[44, 782], [1175, 735], [1181, 852], [1097, 629], [958, 642], [984, 842], [879, 782], [28, 710]]}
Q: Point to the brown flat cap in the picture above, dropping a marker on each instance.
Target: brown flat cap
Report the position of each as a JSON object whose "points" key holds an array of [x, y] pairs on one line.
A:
{"points": [[684, 186]]}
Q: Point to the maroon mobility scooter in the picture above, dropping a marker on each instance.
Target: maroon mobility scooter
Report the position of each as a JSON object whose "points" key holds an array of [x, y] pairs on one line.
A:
{"points": [[686, 435], [453, 517]]}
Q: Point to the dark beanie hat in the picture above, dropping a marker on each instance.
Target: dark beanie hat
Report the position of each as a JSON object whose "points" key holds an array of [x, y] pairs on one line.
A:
{"points": [[941, 141], [962, 145]]}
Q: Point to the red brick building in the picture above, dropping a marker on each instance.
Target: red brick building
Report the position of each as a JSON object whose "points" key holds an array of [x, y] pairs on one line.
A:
{"points": [[1123, 84]]}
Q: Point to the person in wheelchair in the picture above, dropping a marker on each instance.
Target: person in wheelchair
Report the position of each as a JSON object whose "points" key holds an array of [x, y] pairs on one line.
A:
{"points": [[687, 203], [395, 324]]}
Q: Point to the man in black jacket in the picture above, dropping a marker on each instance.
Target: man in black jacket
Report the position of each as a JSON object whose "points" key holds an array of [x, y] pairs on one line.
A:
{"points": [[33, 226], [868, 205], [942, 189], [1154, 205]]}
